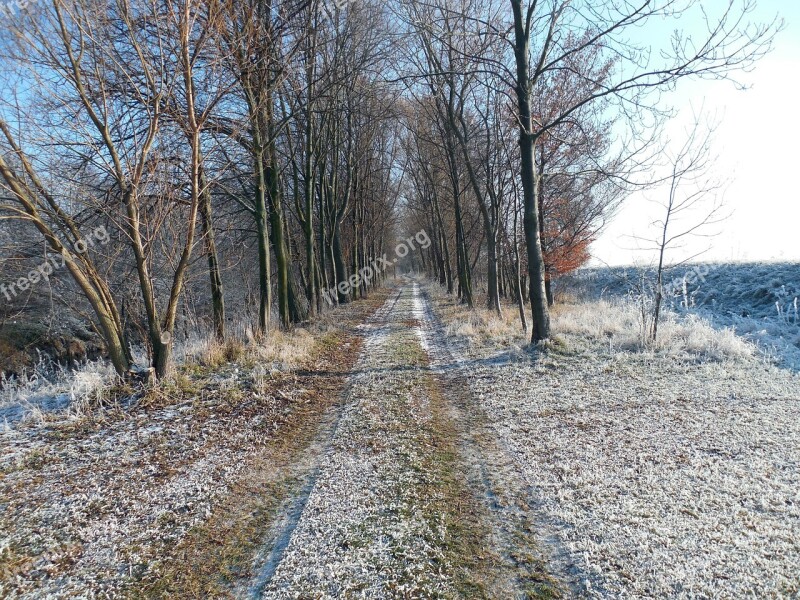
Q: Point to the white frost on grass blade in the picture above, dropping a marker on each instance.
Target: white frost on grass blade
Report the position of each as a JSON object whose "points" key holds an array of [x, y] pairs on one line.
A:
{"points": [[110, 498], [659, 490], [759, 301], [46, 388], [619, 323]]}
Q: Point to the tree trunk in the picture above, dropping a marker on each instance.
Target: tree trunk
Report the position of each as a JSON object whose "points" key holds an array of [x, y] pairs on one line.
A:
{"points": [[445, 247], [529, 176], [276, 219], [312, 289], [493, 301], [281, 263], [339, 264], [519, 287], [659, 284], [548, 289], [207, 228], [264, 268], [464, 279], [162, 354]]}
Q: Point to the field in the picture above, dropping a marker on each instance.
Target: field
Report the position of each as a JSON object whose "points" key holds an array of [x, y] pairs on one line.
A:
{"points": [[759, 302], [660, 470]]}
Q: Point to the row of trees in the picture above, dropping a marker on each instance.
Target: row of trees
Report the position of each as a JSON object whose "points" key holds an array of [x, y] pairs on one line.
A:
{"points": [[466, 160], [533, 120], [251, 141], [276, 144]]}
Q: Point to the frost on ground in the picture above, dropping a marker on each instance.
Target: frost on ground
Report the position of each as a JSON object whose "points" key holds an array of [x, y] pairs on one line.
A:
{"points": [[46, 388], [759, 302], [165, 494], [91, 512], [658, 474], [377, 523], [643, 471]]}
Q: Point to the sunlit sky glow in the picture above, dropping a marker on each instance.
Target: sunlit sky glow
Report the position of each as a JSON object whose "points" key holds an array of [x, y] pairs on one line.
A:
{"points": [[756, 149]]}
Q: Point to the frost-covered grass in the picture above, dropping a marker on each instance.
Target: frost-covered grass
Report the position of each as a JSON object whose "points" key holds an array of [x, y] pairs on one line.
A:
{"points": [[654, 476], [760, 302], [711, 312], [610, 325], [167, 497], [48, 390], [365, 531], [47, 387], [390, 514], [280, 350], [485, 325], [618, 323], [657, 480]]}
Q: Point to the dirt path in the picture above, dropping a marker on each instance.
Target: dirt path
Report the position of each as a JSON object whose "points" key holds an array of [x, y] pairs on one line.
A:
{"points": [[409, 499], [369, 472]]}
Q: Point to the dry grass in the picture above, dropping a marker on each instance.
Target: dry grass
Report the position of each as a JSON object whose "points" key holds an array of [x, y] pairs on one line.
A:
{"points": [[214, 353], [478, 325], [286, 350], [487, 325], [615, 326], [618, 324], [277, 349]]}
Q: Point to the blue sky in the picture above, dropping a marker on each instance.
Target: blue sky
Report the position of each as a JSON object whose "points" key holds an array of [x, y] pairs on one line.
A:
{"points": [[756, 149]]}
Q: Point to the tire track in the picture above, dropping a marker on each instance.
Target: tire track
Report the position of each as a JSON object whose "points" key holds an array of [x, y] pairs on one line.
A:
{"points": [[278, 537], [404, 501]]}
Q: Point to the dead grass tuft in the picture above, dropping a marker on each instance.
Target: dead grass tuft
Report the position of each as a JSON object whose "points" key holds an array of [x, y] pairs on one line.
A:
{"points": [[214, 353], [484, 326], [619, 325], [285, 350]]}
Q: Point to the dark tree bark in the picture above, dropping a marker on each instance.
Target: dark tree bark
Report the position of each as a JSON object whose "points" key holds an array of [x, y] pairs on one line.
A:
{"points": [[215, 277], [528, 177]]}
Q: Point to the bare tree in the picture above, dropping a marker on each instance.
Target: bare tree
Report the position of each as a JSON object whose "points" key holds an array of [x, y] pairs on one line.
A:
{"points": [[693, 204], [91, 61]]}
